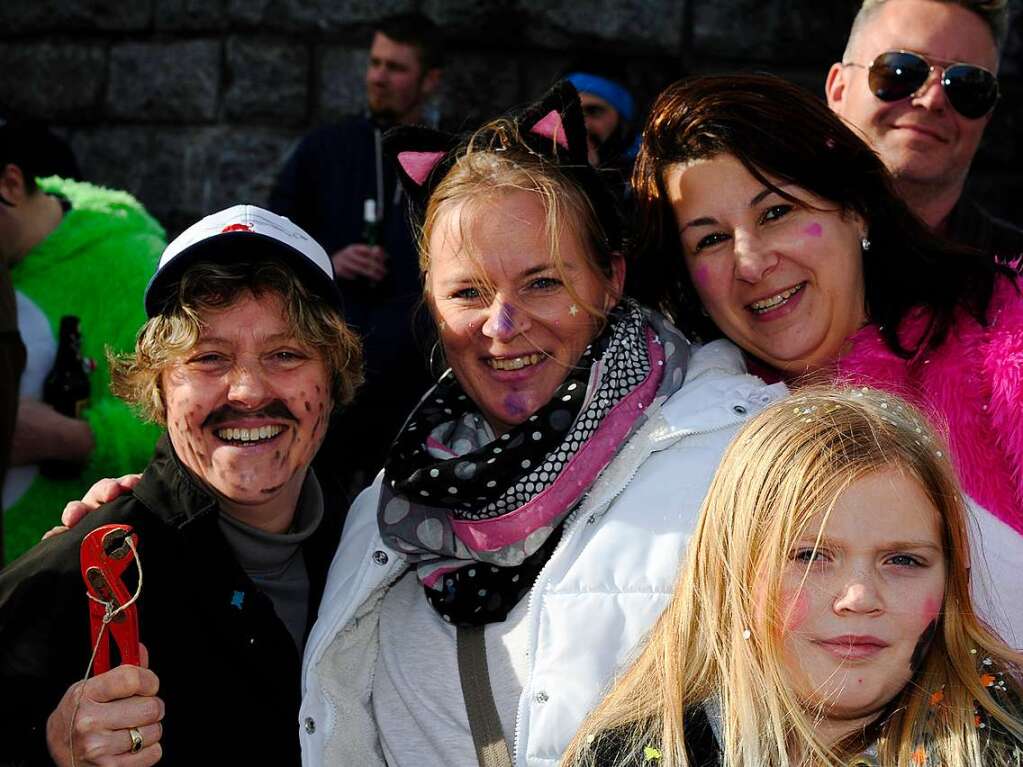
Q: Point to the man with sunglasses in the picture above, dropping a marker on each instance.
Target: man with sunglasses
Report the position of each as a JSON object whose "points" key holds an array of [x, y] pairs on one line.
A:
{"points": [[919, 80]]}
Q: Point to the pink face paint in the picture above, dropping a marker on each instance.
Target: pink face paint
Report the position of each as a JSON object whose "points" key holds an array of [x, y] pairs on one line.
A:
{"points": [[931, 609], [795, 608], [701, 276], [814, 230]]}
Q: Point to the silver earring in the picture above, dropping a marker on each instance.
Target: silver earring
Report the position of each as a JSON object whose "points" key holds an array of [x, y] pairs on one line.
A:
{"points": [[865, 243], [443, 362]]}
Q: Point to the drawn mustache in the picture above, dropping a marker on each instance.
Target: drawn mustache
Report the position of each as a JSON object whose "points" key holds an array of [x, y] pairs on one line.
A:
{"points": [[275, 409]]}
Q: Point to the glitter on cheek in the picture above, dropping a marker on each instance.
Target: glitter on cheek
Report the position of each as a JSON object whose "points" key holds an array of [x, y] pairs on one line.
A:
{"points": [[814, 230]]}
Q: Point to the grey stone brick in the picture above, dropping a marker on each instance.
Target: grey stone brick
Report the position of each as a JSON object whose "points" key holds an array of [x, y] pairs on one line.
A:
{"points": [[342, 84], [267, 80], [475, 90], [635, 24], [124, 158], [180, 174], [200, 15], [51, 81], [314, 15], [327, 15], [165, 81], [782, 31], [476, 20], [251, 12], [20, 16], [245, 164]]}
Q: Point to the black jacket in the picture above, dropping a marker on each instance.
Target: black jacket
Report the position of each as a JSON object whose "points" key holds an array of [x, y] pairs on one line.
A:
{"points": [[702, 748], [229, 675], [322, 188], [969, 224]]}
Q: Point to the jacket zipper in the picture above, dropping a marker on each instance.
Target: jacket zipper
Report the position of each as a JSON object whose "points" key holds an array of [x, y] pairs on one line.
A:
{"points": [[570, 531]]}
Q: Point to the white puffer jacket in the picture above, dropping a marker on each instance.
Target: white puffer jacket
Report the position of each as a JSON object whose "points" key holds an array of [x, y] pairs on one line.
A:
{"points": [[607, 581]]}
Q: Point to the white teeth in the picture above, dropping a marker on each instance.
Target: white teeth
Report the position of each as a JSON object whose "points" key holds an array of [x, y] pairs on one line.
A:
{"points": [[249, 435], [514, 363], [774, 301]]}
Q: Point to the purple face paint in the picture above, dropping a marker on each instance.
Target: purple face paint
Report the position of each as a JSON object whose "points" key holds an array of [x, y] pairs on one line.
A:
{"points": [[814, 230], [505, 319], [515, 404]]}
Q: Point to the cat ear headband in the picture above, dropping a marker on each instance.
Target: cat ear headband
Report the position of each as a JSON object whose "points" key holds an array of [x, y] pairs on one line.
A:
{"points": [[552, 129]]}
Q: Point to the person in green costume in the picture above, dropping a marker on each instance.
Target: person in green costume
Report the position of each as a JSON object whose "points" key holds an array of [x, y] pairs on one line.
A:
{"points": [[78, 249]]}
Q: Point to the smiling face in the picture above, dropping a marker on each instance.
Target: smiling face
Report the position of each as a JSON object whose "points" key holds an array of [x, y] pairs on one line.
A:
{"points": [[856, 609], [922, 139], [510, 327], [782, 280], [247, 408]]}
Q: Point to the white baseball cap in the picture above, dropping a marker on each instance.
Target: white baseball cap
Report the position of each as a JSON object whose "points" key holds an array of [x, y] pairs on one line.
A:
{"points": [[243, 232]]}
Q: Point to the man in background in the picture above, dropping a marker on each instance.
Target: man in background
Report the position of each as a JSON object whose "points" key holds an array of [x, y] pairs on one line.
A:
{"points": [[609, 112], [80, 250], [339, 187], [919, 80]]}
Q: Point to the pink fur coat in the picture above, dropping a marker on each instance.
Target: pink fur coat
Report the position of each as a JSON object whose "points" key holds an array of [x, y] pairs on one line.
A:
{"points": [[971, 386]]}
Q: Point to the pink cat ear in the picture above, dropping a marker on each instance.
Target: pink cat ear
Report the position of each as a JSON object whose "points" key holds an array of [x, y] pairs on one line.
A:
{"points": [[550, 126], [419, 164]]}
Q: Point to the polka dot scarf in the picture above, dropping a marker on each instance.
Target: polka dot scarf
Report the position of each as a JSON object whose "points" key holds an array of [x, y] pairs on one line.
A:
{"points": [[478, 516]]}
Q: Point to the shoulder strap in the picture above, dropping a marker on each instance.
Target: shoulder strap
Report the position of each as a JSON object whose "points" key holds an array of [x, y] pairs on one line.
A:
{"points": [[484, 723]]}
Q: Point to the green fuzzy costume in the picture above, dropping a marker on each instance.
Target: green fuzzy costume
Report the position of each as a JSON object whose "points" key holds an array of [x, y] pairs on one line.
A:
{"points": [[95, 265]]}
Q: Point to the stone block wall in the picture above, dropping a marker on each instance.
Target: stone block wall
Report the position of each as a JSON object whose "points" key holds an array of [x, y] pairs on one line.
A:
{"points": [[194, 104]]}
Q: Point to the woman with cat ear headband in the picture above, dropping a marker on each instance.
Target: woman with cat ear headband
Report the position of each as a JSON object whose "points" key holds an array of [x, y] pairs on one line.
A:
{"points": [[527, 525]]}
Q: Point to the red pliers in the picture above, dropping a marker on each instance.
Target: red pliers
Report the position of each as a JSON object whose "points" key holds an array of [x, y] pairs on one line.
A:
{"points": [[105, 555]]}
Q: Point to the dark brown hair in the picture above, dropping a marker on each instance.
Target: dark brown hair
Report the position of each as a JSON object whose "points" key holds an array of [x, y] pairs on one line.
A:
{"points": [[420, 32], [777, 129]]}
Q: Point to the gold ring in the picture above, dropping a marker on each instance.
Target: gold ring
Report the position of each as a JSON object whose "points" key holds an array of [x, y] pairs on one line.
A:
{"points": [[136, 740]]}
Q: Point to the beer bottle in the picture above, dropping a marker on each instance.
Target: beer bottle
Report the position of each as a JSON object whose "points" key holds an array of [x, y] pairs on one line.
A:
{"points": [[371, 235], [370, 224], [66, 389]]}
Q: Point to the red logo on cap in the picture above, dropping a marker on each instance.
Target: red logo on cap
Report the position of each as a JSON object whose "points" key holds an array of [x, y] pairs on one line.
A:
{"points": [[237, 228]]}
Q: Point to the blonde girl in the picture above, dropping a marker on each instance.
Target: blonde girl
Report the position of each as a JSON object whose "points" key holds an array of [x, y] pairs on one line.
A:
{"points": [[823, 613]]}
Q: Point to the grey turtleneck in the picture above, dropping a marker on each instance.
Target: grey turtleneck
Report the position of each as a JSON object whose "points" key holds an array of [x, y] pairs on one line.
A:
{"points": [[275, 563]]}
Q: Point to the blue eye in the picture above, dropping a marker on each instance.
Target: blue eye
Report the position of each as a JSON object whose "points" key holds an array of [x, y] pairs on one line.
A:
{"points": [[467, 294], [545, 283]]}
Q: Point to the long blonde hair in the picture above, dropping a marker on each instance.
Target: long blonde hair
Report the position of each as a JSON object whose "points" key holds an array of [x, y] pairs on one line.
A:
{"points": [[784, 468]]}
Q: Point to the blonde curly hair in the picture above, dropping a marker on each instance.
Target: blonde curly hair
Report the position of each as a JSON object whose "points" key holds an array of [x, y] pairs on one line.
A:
{"points": [[208, 286]]}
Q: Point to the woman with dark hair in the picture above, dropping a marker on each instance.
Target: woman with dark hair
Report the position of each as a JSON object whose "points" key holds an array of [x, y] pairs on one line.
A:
{"points": [[768, 221]]}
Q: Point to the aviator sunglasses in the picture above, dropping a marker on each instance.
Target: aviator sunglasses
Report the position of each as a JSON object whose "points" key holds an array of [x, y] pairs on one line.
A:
{"points": [[895, 75]]}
